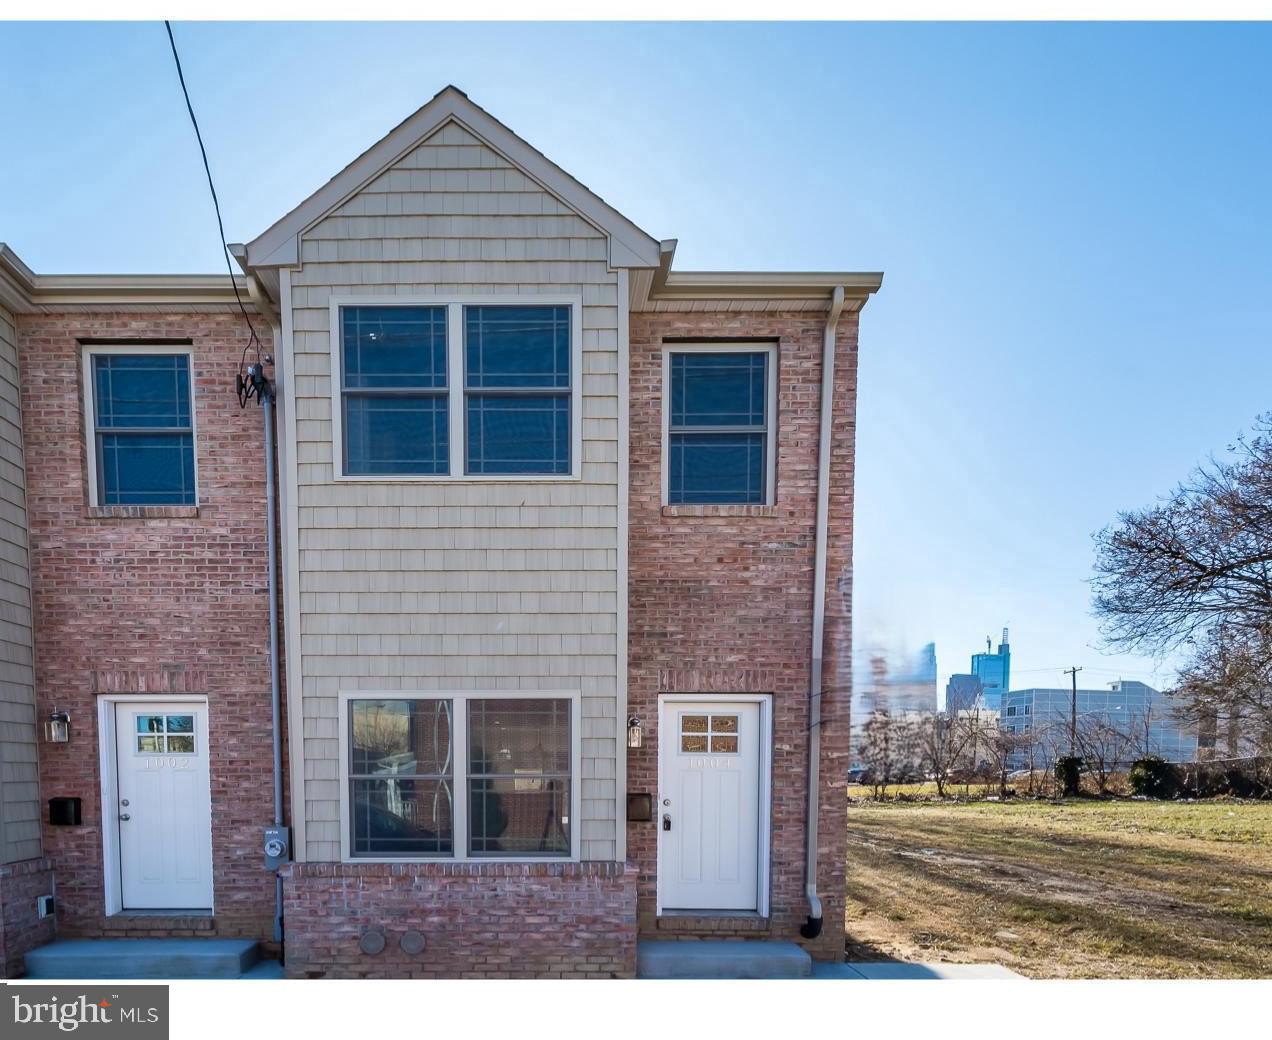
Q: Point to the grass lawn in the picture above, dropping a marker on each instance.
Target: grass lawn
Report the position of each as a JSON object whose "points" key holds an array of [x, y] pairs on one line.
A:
{"points": [[1074, 890]]}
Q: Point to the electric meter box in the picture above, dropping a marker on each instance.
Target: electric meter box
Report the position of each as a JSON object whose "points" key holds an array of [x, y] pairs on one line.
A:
{"points": [[277, 846]]}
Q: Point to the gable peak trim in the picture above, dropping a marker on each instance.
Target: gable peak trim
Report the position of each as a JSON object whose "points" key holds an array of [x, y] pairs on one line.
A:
{"points": [[278, 246]]}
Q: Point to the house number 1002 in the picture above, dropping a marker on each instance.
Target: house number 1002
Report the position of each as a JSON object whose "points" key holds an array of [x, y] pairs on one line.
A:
{"points": [[167, 763]]}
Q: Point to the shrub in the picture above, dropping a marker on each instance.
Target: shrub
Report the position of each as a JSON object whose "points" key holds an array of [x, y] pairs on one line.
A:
{"points": [[1069, 774], [1153, 777]]}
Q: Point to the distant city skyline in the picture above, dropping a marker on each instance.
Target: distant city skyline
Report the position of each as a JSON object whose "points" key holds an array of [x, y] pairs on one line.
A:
{"points": [[1043, 200]]}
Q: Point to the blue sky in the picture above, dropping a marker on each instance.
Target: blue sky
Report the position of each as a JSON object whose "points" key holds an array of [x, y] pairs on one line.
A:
{"points": [[1073, 221]]}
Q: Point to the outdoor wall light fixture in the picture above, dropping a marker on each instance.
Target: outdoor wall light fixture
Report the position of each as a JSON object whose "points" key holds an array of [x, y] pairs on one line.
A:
{"points": [[57, 730], [634, 738]]}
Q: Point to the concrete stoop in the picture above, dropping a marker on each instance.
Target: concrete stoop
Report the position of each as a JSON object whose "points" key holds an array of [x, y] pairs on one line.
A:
{"points": [[720, 959], [911, 971], [142, 959]]}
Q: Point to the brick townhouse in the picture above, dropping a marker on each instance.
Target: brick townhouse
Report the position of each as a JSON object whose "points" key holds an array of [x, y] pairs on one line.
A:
{"points": [[564, 580]]}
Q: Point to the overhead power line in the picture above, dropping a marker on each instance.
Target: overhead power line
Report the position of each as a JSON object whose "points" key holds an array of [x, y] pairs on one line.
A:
{"points": [[247, 387]]}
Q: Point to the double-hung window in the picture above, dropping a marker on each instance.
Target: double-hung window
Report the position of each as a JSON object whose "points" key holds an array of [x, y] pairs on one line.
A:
{"points": [[461, 775], [464, 390], [517, 389], [720, 403], [141, 411], [393, 391]]}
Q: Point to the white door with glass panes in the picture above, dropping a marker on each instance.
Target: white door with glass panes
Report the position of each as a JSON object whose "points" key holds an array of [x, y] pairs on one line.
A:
{"points": [[709, 805], [163, 808]]}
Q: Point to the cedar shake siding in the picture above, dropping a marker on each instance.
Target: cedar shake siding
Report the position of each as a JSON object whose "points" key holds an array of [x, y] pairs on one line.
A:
{"points": [[450, 584], [24, 873]]}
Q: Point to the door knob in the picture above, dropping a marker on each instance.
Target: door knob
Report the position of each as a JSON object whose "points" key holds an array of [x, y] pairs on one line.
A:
{"points": [[124, 816]]}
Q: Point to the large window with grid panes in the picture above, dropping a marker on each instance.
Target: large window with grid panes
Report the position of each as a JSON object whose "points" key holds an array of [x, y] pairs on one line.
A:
{"points": [[460, 776], [475, 390]]}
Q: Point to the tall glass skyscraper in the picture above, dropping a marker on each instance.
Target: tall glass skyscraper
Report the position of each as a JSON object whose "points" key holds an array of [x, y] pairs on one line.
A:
{"points": [[994, 672]]}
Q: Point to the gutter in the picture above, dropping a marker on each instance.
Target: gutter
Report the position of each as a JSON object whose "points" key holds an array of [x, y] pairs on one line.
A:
{"points": [[811, 929]]}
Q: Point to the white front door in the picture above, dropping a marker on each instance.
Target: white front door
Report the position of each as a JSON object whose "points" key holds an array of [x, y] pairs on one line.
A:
{"points": [[164, 809], [709, 805]]}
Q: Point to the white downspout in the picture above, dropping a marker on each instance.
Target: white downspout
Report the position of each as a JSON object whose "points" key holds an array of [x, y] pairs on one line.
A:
{"points": [[812, 928]]}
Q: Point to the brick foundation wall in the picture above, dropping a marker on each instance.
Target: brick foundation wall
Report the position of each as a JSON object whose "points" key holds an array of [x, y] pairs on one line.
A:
{"points": [[721, 602], [21, 927], [479, 920], [151, 601]]}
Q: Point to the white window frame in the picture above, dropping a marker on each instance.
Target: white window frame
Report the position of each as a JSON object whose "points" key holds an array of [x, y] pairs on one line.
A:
{"points": [[455, 385], [459, 738], [92, 350], [770, 415]]}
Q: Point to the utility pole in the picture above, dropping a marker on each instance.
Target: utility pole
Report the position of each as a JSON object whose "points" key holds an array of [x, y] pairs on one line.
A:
{"points": [[1073, 712]]}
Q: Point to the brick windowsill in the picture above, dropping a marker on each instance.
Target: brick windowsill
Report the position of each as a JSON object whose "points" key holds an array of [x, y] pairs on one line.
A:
{"points": [[142, 512], [719, 510]]}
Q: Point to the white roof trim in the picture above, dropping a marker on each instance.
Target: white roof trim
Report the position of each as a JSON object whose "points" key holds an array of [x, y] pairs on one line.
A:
{"points": [[663, 285], [23, 291], [278, 246]]}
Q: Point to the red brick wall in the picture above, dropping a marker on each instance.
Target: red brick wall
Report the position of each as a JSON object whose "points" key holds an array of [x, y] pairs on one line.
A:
{"points": [[21, 927], [480, 920], [721, 601], [157, 602]]}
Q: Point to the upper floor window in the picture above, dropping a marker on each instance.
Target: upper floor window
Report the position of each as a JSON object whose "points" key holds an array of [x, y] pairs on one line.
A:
{"points": [[466, 390], [720, 405], [393, 390], [517, 389], [142, 414]]}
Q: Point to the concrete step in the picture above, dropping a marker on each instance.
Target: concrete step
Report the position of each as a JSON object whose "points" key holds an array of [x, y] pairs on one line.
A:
{"points": [[911, 970], [142, 959], [719, 959]]}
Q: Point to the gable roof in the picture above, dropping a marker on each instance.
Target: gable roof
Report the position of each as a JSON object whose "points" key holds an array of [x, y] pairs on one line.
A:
{"points": [[278, 246]]}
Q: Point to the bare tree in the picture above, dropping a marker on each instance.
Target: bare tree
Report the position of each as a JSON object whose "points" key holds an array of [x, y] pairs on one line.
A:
{"points": [[878, 751], [1199, 560], [941, 743], [1226, 688], [1002, 747], [890, 750], [1139, 733], [979, 730], [1103, 746]]}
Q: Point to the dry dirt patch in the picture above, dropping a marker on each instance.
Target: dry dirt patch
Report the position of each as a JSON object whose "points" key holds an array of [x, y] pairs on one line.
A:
{"points": [[1076, 889]]}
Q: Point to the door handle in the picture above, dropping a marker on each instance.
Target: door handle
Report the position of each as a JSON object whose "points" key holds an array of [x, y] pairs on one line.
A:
{"points": [[666, 821], [124, 816]]}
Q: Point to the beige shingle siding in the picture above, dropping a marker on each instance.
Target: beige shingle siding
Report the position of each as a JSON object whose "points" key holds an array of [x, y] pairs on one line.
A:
{"points": [[19, 772], [436, 586]]}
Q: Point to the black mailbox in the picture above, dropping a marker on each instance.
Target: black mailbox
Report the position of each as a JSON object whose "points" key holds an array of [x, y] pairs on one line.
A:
{"points": [[64, 812], [640, 808]]}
